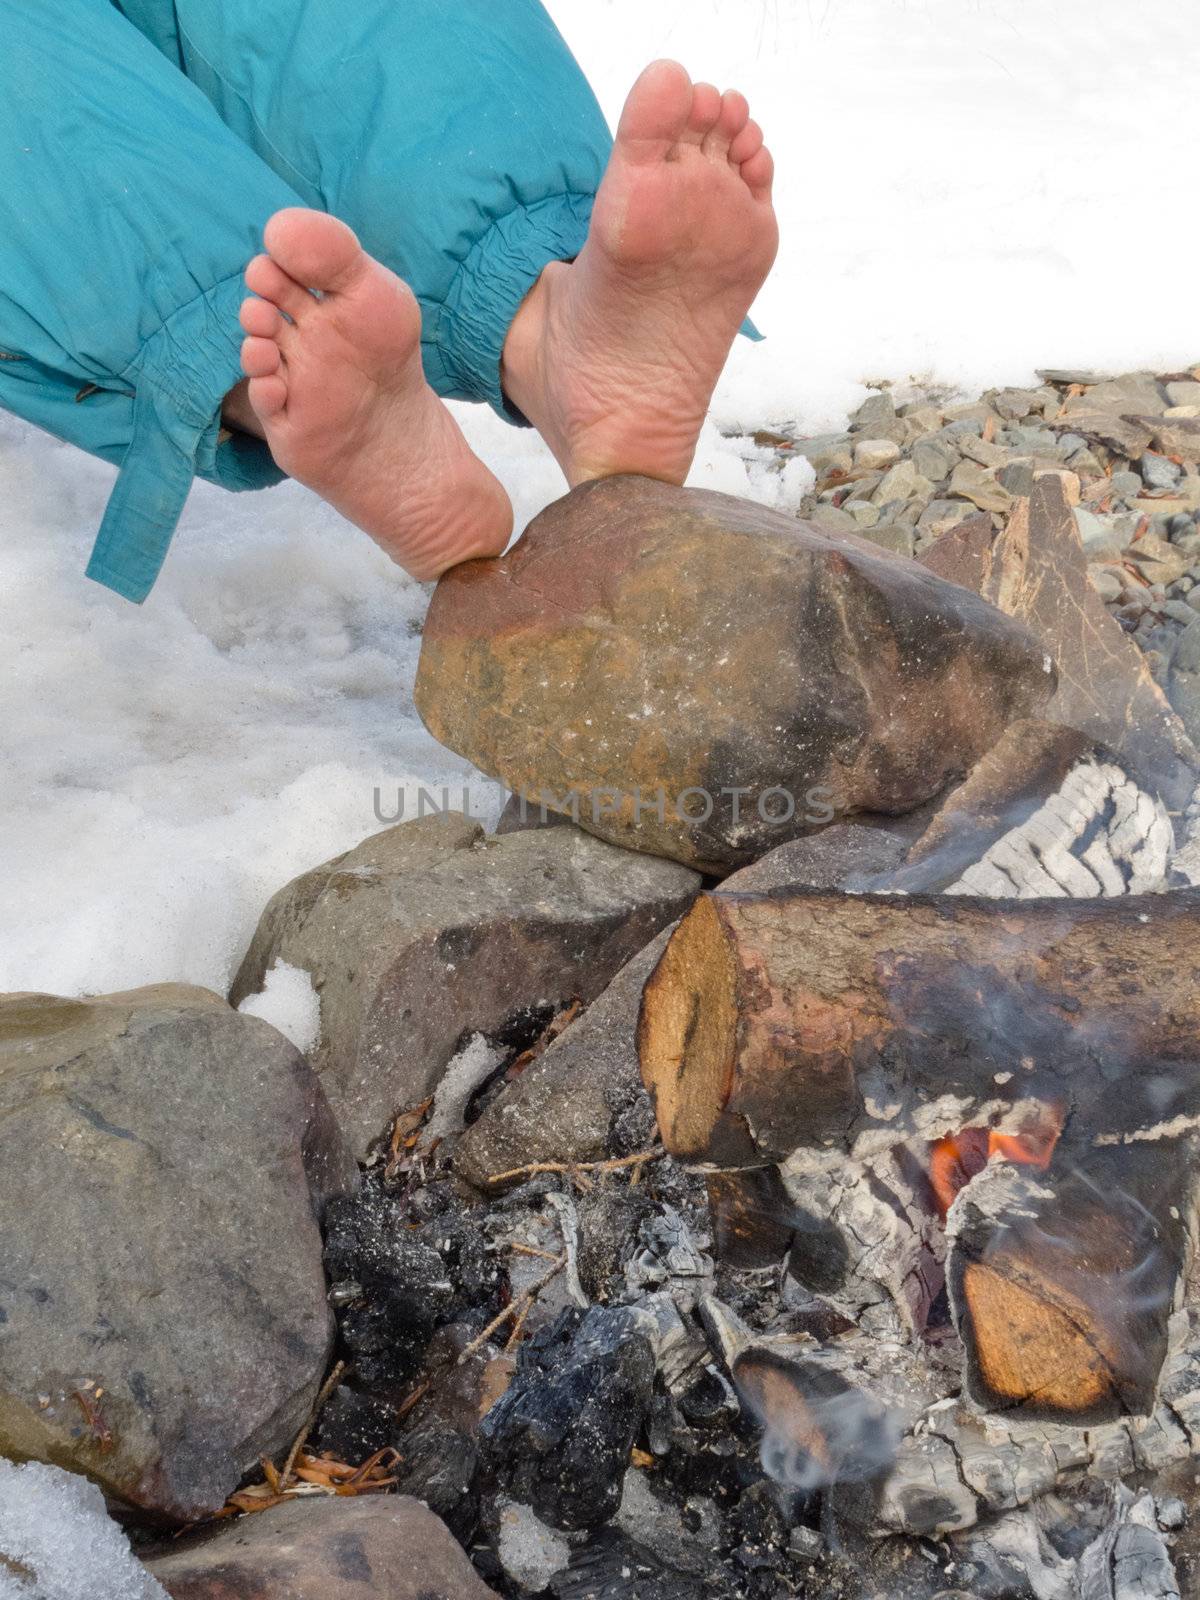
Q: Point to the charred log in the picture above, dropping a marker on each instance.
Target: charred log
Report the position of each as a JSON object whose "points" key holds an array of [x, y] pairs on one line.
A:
{"points": [[798, 1020]]}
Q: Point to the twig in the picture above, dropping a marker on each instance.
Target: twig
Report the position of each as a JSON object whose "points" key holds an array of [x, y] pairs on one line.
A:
{"points": [[289, 1466], [517, 1326], [573, 1167], [512, 1309], [529, 1250]]}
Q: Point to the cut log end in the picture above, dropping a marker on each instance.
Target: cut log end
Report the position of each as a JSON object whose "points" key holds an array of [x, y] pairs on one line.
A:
{"points": [[689, 1010]]}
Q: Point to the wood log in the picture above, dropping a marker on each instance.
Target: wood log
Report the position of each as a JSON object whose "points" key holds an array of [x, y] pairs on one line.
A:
{"points": [[796, 1020], [1062, 1282]]}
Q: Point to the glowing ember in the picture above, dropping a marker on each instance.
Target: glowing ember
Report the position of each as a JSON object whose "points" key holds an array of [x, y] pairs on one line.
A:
{"points": [[955, 1160]]}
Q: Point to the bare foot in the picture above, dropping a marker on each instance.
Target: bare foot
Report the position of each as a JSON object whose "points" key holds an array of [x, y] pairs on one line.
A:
{"points": [[614, 357], [337, 385]]}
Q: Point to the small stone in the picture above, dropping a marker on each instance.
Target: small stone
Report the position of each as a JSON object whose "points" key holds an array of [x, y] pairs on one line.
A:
{"points": [[1017, 478], [980, 450], [1136, 391], [1158, 472], [1107, 584], [925, 418], [1085, 461], [903, 482], [973, 482], [835, 461], [939, 516], [876, 414], [864, 513], [1182, 412], [1159, 561], [891, 536], [833, 519], [1017, 403], [1193, 599], [1126, 484], [976, 412], [876, 454], [1101, 537], [936, 456], [1039, 442], [1184, 393], [1180, 526], [1063, 376], [1178, 611], [1068, 480]]}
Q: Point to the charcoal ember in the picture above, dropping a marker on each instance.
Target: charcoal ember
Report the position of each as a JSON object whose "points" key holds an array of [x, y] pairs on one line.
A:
{"points": [[468, 1260], [669, 1253], [609, 1218], [439, 1465], [614, 1567], [406, 1290], [762, 1524], [560, 1438], [355, 1423]]}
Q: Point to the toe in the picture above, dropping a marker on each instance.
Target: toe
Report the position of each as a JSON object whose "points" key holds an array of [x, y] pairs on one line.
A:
{"points": [[706, 108], [314, 249], [260, 357], [746, 144], [268, 396], [260, 318], [735, 113], [268, 280], [759, 174], [657, 110]]}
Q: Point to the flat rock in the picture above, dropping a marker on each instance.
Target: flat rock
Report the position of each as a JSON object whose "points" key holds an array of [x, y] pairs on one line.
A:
{"points": [[1036, 570], [1109, 428], [162, 1300], [754, 674], [385, 1547], [428, 933]]}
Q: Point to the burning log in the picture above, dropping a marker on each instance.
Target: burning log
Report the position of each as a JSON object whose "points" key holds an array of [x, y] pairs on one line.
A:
{"points": [[1063, 1283], [795, 1021]]}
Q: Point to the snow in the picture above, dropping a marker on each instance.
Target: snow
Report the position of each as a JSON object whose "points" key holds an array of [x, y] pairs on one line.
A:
{"points": [[968, 190], [57, 1542], [288, 1001]]}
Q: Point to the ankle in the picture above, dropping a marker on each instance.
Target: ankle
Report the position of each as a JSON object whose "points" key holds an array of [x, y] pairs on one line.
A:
{"points": [[522, 364]]}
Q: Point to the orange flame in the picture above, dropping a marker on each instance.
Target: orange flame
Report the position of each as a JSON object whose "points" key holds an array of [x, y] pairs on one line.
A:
{"points": [[955, 1160]]}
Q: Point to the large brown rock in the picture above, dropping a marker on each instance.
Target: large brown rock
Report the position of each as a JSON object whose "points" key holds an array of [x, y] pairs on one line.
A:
{"points": [[1036, 571], [162, 1300], [758, 676], [378, 1548], [429, 932]]}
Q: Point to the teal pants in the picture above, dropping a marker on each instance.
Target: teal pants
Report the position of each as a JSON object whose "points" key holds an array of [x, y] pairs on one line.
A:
{"points": [[144, 145]]}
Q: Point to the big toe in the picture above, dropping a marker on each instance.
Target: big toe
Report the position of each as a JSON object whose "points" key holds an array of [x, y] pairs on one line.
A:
{"points": [[319, 251], [658, 108]]}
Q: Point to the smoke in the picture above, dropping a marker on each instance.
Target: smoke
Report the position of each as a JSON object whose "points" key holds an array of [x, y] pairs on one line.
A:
{"points": [[817, 1428]]}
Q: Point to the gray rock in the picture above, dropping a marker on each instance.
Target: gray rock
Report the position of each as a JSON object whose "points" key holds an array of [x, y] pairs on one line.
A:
{"points": [[1017, 478], [833, 519], [936, 456], [1014, 404], [1158, 472], [564, 1105], [864, 513], [939, 516], [162, 1300], [386, 1547], [924, 417], [1107, 584], [903, 482], [1103, 538], [1184, 393], [875, 417], [1135, 391], [427, 933], [876, 455], [1126, 484], [983, 451], [1042, 442], [977, 484], [891, 535], [844, 856], [1068, 375]]}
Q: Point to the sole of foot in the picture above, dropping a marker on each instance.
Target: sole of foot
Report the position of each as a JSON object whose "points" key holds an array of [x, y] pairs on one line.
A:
{"points": [[614, 357], [337, 385]]}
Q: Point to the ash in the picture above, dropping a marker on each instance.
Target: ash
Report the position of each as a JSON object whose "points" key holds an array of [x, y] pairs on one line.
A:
{"points": [[576, 1386]]}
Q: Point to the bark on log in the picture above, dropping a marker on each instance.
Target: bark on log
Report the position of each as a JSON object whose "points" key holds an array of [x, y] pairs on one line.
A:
{"points": [[799, 1020]]}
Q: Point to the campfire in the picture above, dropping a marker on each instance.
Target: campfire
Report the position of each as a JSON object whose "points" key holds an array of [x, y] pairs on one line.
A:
{"points": [[716, 1204]]}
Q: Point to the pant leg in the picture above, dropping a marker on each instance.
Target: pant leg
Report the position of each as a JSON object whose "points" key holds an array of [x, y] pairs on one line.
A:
{"points": [[127, 214], [458, 138]]}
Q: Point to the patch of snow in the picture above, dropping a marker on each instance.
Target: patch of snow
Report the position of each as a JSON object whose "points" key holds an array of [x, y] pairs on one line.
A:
{"points": [[288, 1001], [477, 1060], [57, 1542]]}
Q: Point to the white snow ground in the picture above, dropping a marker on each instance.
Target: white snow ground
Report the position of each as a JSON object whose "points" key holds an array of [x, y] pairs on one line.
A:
{"points": [[968, 189]]}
